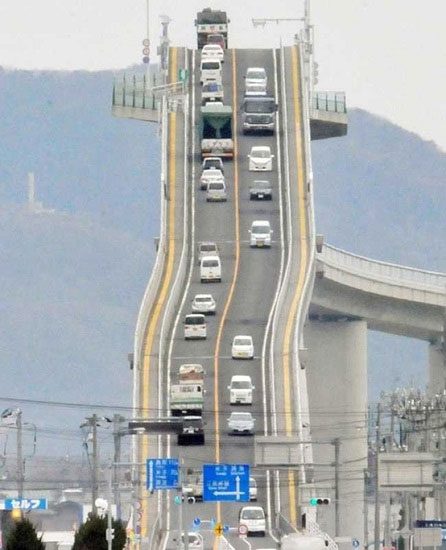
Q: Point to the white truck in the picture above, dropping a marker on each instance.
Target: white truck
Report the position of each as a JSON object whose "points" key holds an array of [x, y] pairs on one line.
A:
{"points": [[186, 399]]}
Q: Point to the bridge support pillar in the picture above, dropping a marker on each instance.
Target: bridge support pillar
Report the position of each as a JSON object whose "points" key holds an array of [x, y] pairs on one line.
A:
{"points": [[437, 368], [337, 388]]}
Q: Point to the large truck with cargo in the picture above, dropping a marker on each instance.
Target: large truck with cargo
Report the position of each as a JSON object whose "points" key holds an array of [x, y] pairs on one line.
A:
{"points": [[211, 22], [259, 114], [216, 131], [186, 399]]}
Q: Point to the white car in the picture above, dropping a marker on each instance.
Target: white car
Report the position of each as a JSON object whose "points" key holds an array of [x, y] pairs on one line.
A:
{"points": [[210, 71], [212, 51], [216, 191], [210, 269], [195, 326], [261, 159], [242, 347], [213, 162], [207, 248], [260, 234], [241, 423], [204, 303], [256, 75], [240, 390], [209, 175], [254, 519], [252, 489], [255, 90]]}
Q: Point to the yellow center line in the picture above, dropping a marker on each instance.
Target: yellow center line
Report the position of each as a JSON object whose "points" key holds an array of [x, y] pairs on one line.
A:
{"points": [[303, 260], [159, 303], [235, 274]]}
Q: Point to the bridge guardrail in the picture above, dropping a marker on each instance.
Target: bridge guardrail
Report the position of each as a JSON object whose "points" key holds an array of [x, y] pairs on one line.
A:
{"points": [[333, 102], [137, 90], [388, 273]]}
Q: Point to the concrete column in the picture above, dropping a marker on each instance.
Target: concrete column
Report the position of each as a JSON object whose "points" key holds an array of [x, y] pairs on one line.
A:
{"points": [[437, 369], [337, 388]]}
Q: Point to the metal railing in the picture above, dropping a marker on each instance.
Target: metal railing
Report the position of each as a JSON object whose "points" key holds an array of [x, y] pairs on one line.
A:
{"points": [[333, 102], [137, 91], [312, 528], [379, 271]]}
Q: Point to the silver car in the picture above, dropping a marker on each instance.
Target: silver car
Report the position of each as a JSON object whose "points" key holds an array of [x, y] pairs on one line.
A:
{"points": [[241, 423], [216, 191]]}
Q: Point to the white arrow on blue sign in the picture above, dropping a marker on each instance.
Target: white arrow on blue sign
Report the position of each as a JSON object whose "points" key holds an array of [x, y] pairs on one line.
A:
{"points": [[24, 504], [162, 473], [226, 482]]}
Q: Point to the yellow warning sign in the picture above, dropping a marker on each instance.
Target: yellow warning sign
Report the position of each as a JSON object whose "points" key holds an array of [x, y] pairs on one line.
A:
{"points": [[218, 530]]}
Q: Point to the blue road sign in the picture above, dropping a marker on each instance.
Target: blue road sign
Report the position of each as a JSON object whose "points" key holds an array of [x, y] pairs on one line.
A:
{"points": [[226, 482], [197, 522], [25, 504], [355, 543], [162, 473]]}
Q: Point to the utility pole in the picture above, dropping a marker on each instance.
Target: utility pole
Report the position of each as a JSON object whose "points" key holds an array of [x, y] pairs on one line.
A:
{"points": [[117, 419], [377, 510], [92, 424], [366, 511], [337, 446], [20, 473]]}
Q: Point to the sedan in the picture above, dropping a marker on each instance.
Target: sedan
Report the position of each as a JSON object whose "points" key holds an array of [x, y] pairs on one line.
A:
{"points": [[216, 191], [207, 249], [213, 162], [204, 303], [242, 347], [210, 174], [241, 423], [261, 159]]}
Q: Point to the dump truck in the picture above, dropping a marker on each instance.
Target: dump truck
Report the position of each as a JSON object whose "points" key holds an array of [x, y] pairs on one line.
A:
{"points": [[186, 399], [209, 22], [193, 484], [216, 131]]}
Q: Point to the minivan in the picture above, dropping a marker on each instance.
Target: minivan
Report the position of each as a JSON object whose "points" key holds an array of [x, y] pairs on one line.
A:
{"points": [[254, 519], [210, 70], [195, 326], [210, 269]]}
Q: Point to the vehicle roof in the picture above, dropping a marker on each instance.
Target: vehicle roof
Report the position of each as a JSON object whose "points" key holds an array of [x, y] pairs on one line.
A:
{"points": [[213, 170], [194, 315], [242, 336], [211, 107], [212, 158], [252, 508], [191, 367], [207, 243], [212, 47], [241, 378], [203, 296], [207, 258], [260, 148], [261, 222], [255, 69], [244, 414]]}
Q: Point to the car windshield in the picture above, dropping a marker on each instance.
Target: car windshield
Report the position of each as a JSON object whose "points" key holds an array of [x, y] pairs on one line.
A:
{"points": [[210, 66], [258, 75], [259, 105], [241, 416], [253, 513], [212, 47], [214, 163], [210, 263], [208, 248], [195, 320], [203, 298], [242, 342], [241, 385], [260, 229], [261, 153]]}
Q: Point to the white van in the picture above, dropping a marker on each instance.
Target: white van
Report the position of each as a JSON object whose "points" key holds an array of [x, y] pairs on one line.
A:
{"points": [[195, 326], [210, 71], [240, 390], [254, 519], [210, 269]]}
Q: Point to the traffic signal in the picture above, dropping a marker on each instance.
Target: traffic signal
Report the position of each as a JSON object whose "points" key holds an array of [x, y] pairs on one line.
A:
{"points": [[319, 501]]}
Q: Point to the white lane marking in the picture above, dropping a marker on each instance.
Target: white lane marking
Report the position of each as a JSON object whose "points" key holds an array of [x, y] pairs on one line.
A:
{"points": [[276, 296], [185, 228]]}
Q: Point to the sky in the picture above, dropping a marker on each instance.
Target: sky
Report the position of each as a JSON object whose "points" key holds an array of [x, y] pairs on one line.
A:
{"points": [[387, 55]]}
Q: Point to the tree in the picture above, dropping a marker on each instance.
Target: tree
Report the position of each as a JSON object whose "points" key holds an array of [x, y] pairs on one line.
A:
{"points": [[91, 534], [23, 536]]}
